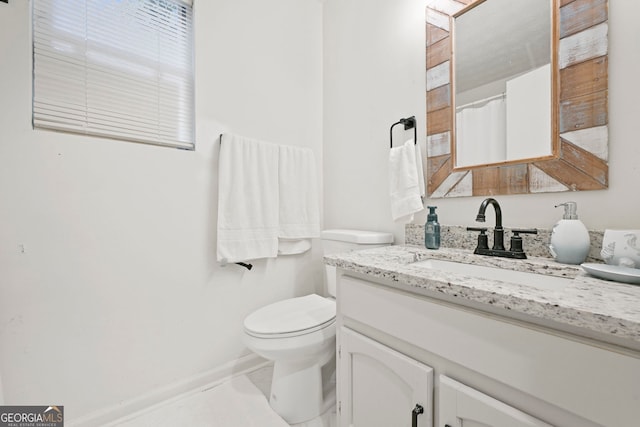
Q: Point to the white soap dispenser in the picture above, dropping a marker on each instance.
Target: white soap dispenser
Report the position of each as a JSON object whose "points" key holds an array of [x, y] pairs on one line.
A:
{"points": [[570, 242]]}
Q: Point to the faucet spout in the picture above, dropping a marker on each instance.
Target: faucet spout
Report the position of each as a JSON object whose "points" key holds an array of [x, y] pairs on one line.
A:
{"points": [[498, 232]]}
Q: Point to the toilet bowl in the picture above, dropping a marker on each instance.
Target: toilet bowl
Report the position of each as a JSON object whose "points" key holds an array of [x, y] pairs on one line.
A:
{"points": [[298, 335]]}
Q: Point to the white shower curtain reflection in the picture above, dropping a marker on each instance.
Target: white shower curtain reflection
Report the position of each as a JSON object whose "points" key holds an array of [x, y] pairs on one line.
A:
{"points": [[481, 133]]}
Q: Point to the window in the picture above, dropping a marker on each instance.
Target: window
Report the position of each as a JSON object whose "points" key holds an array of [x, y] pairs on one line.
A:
{"points": [[121, 69]]}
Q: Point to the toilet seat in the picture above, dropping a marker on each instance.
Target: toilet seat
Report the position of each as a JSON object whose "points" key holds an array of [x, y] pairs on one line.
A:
{"points": [[291, 317]]}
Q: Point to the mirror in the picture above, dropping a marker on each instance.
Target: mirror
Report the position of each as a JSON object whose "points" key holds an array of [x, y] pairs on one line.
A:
{"points": [[502, 79], [575, 103]]}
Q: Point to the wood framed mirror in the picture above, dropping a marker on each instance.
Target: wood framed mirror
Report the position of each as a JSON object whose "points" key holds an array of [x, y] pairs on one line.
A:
{"points": [[578, 158]]}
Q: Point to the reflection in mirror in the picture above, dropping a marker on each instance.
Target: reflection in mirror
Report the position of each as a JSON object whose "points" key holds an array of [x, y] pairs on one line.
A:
{"points": [[578, 158], [502, 79]]}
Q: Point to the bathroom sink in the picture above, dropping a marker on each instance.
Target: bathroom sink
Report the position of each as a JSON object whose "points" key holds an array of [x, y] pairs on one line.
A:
{"points": [[540, 281]]}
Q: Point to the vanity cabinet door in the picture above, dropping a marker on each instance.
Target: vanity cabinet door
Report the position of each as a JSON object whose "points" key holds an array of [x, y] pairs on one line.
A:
{"points": [[460, 405], [380, 387]]}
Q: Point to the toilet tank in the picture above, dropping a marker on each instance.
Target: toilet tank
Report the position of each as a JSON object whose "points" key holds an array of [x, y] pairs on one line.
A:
{"points": [[336, 241]]}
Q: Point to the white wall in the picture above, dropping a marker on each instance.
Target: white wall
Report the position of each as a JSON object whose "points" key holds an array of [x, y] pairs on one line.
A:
{"points": [[109, 287], [374, 64], [374, 68]]}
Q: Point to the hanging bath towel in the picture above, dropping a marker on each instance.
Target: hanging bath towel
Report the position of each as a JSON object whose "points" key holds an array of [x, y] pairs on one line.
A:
{"points": [[299, 206], [248, 199]]}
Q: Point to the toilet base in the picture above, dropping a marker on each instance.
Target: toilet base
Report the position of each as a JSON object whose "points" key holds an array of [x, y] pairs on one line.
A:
{"points": [[296, 391]]}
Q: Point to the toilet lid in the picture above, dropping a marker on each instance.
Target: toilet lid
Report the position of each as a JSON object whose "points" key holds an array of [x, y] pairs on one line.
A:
{"points": [[292, 315]]}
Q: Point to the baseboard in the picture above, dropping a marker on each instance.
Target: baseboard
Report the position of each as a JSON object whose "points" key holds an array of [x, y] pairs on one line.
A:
{"points": [[112, 415]]}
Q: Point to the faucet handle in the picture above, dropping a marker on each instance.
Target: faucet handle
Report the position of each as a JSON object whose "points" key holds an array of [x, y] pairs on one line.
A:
{"points": [[480, 229], [517, 231], [516, 240], [483, 240]]}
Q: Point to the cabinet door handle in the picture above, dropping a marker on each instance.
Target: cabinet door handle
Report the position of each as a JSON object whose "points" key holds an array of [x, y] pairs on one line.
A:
{"points": [[414, 415]]}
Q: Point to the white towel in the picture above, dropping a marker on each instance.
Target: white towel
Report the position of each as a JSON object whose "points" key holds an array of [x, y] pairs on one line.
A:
{"points": [[299, 200], [404, 182], [293, 246], [248, 204], [420, 172]]}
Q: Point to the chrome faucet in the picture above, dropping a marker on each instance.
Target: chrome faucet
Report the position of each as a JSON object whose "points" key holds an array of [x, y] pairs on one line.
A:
{"points": [[498, 249]]}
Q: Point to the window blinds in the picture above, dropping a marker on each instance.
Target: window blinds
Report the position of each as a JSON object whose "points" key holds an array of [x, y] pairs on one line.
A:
{"points": [[115, 68]]}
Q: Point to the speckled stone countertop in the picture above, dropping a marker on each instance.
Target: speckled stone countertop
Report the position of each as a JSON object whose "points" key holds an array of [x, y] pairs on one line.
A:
{"points": [[597, 309]]}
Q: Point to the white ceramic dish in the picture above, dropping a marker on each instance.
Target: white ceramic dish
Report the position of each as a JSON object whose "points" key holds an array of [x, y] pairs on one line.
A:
{"points": [[613, 272]]}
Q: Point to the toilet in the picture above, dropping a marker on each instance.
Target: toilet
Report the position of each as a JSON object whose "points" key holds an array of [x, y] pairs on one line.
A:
{"points": [[299, 334]]}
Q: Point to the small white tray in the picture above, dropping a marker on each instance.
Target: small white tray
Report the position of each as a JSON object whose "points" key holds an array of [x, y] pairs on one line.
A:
{"points": [[613, 272]]}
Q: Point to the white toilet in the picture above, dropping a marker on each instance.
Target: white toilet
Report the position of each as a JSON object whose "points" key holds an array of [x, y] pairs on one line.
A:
{"points": [[299, 335]]}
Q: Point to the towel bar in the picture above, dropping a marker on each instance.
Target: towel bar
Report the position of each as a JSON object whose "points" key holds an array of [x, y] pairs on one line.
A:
{"points": [[248, 266], [409, 122], [245, 265]]}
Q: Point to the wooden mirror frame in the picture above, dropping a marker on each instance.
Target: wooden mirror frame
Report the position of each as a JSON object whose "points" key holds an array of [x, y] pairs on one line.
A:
{"points": [[580, 160]]}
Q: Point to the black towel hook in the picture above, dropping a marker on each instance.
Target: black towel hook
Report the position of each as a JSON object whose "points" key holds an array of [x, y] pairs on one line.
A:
{"points": [[409, 122]]}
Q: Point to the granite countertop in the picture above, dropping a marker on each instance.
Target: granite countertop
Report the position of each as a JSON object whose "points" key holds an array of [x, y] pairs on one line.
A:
{"points": [[597, 309]]}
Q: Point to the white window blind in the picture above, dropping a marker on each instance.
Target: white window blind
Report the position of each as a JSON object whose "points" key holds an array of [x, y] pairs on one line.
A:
{"points": [[115, 68]]}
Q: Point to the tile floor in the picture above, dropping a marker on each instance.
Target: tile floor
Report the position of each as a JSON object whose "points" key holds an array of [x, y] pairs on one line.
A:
{"points": [[194, 408]]}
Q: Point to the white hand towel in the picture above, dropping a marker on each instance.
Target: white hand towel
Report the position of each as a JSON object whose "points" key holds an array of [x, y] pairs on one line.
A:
{"points": [[404, 182], [420, 172], [299, 198], [247, 199]]}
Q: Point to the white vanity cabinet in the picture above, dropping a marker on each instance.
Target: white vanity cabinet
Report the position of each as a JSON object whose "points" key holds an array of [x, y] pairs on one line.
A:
{"points": [[460, 405], [396, 347], [385, 387]]}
